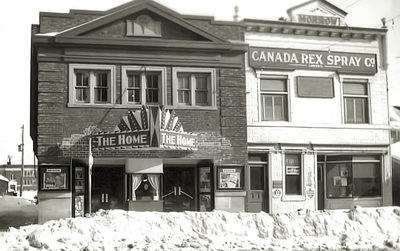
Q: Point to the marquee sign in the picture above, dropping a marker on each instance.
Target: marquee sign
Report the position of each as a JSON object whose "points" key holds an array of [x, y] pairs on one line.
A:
{"points": [[292, 59], [147, 127]]}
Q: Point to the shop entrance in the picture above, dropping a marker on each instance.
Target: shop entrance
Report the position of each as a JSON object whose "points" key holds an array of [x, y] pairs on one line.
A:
{"points": [[179, 189], [107, 188]]}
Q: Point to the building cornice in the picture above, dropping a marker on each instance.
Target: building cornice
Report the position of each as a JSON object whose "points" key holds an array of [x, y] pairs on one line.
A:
{"points": [[290, 28]]}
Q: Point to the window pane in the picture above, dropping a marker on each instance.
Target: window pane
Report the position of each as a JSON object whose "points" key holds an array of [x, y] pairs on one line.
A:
{"points": [[183, 81], [355, 88], [152, 90], [339, 180], [267, 107], [257, 177], [152, 81], [279, 107], [201, 98], [134, 80], [361, 110], [293, 174], [184, 97], [82, 79], [102, 79], [349, 110], [366, 179], [144, 187], [278, 85], [82, 94]]}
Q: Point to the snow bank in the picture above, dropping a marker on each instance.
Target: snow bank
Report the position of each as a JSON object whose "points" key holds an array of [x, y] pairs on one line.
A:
{"points": [[361, 228]]}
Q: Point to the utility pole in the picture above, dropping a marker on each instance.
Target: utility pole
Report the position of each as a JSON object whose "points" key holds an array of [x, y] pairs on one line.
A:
{"points": [[21, 149]]}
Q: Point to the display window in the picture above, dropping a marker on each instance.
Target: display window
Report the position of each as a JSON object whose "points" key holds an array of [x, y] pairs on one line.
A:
{"points": [[54, 178], [353, 177], [230, 177], [143, 186]]}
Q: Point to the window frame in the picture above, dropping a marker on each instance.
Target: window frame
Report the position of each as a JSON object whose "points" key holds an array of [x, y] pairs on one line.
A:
{"points": [[356, 159], [192, 86], [367, 112], [92, 69], [142, 70], [130, 193], [300, 196], [274, 93]]}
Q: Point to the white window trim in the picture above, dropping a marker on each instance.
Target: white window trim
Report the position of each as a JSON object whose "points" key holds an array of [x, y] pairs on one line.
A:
{"points": [[297, 197], [288, 95], [90, 67], [367, 82], [213, 95], [124, 84]]}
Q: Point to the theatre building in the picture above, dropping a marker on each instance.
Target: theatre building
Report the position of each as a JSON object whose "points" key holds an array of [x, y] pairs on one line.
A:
{"points": [[317, 112], [138, 108]]}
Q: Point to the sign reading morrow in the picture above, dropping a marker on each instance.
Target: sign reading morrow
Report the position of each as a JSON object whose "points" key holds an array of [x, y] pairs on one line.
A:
{"points": [[291, 59]]}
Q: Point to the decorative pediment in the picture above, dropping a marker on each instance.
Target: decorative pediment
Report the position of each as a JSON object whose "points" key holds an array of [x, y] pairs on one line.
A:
{"points": [[319, 12], [138, 20]]}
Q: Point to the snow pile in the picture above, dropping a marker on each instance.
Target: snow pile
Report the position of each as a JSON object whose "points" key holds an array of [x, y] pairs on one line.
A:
{"points": [[361, 228]]}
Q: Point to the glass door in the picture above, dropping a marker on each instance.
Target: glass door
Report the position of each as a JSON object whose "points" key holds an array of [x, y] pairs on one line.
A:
{"points": [[179, 189]]}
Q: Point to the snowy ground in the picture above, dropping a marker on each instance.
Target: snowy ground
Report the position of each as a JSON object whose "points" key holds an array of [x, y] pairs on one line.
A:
{"points": [[358, 229]]}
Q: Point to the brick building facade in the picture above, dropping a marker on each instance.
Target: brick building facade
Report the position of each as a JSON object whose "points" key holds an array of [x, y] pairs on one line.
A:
{"points": [[139, 71]]}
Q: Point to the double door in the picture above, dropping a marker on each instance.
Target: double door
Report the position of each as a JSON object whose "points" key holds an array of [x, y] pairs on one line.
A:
{"points": [[180, 192]]}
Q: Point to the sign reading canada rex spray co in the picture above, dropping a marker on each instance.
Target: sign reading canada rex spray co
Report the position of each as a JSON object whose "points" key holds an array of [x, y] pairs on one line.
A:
{"points": [[291, 59]]}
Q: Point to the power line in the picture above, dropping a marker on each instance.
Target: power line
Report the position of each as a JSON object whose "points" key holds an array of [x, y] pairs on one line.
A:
{"points": [[351, 4]]}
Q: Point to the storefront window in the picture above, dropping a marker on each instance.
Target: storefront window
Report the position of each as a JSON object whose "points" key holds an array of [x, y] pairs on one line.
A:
{"points": [[293, 174], [353, 176], [143, 186]]}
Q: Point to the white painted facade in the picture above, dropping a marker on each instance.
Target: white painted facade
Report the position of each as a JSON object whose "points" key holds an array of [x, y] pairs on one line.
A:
{"points": [[316, 126]]}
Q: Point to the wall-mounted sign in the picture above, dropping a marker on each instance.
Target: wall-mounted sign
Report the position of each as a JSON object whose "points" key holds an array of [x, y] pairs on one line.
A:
{"points": [[121, 139], [292, 59], [310, 192], [178, 140], [147, 127], [323, 20], [292, 170], [276, 192]]}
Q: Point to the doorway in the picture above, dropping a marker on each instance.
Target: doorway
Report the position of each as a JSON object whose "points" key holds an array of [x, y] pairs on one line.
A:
{"points": [[179, 189], [108, 188], [320, 186]]}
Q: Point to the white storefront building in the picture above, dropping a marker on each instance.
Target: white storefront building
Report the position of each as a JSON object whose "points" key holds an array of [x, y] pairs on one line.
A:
{"points": [[317, 112]]}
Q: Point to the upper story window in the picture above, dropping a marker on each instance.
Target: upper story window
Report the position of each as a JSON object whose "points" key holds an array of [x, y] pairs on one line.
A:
{"points": [[143, 85], [274, 99], [194, 87], [144, 26], [91, 84], [356, 105]]}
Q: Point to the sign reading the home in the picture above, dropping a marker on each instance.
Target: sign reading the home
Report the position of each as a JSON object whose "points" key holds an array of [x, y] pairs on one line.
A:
{"points": [[172, 133], [323, 20], [147, 127], [178, 140], [292, 59], [121, 139]]}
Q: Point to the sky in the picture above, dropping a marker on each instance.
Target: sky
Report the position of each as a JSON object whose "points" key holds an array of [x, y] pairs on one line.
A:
{"points": [[17, 16]]}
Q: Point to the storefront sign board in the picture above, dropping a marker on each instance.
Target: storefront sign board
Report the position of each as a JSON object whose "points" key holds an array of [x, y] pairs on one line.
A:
{"points": [[178, 140], [322, 20], [292, 59], [121, 139]]}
